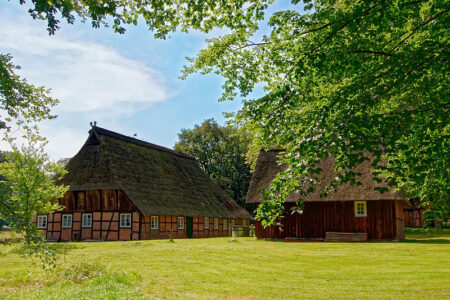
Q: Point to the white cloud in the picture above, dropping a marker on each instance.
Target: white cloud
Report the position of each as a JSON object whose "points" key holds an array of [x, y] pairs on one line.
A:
{"points": [[84, 75], [92, 80]]}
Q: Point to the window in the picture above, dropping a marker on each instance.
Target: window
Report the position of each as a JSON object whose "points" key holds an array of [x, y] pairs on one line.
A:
{"points": [[87, 220], [42, 222], [66, 221], [233, 222], [206, 224], [216, 223], [125, 220], [154, 222], [244, 222], [360, 209], [180, 222], [225, 224]]}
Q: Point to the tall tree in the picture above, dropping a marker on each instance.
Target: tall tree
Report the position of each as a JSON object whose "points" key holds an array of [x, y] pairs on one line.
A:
{"points": [[220, 151], [344, 78], [27, 188], [354, 80]]}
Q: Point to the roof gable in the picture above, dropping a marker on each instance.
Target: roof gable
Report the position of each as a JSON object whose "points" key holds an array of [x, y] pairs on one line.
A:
{"points": [[158, 180], [267, 167]]}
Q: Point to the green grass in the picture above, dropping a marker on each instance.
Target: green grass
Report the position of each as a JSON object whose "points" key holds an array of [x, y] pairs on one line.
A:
{"points": [[418, 268]]}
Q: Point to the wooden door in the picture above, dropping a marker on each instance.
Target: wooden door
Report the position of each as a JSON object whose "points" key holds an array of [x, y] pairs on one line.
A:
{"points": [[189, 227]]}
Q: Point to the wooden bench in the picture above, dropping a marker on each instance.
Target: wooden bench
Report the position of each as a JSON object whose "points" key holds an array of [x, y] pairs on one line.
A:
{"points": [[346, 237], [53, 238]]}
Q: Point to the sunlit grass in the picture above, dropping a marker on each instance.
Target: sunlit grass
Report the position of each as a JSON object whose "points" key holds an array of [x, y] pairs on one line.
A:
{"points": [[249, 269]]}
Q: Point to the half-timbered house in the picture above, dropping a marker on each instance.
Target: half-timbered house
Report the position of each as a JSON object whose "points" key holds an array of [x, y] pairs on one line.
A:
{"points": [[122, 188], [350, 213]]}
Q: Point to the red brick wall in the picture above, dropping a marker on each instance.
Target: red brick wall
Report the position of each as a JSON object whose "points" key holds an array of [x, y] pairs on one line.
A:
{"points": [[105, 226], [106, 207]]}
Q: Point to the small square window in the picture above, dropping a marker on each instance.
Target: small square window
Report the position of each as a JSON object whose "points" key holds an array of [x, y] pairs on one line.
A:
{"points": [[66, 221], [42, 222], [180, 222], [225, 224], [86, 220], [125, 220], [206, 223], [154, 222], [360, 209], [216, 223]]}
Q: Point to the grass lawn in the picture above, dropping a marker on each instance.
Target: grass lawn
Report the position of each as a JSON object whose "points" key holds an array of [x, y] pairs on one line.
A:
{"points": [[246, 269]]}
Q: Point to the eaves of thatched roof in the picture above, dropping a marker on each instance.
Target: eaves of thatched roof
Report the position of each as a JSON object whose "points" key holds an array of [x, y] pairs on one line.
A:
{"points": [[158, 180], [267, 167]]}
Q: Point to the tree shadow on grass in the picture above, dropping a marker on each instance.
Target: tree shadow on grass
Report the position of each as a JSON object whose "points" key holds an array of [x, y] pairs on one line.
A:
{"points": [[427, 241], [427, 236], [60, 248]]}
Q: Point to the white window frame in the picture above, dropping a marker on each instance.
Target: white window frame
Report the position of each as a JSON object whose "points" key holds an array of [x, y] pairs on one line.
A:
{"points": [[358, 211], [180, 224], [225, 224], [64, 221], [154, 222], [216, 223], [84, 218], [206, 223], [123, 220], [41, 222]]}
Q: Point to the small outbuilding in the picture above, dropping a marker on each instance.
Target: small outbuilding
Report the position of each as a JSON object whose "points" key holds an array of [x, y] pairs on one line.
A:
{"points": [[122, 188], [352, 212]]}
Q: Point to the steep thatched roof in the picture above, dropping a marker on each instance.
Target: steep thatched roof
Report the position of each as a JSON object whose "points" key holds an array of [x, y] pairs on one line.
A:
{"points": [[267, 168], [159, 181]]}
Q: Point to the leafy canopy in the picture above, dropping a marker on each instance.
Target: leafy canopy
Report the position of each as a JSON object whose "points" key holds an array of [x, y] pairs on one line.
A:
{"points": [[220, 151], [21, 103], [349, 79], [27, 188], [344, 78]]}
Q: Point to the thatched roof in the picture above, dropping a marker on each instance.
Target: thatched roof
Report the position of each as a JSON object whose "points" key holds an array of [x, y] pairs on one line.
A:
{"points": [[158, 180], [267, 168]]}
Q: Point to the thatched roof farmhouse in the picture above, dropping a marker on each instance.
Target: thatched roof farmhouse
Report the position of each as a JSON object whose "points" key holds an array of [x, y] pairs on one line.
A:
{"points": [[125, 188], [350, 209]]}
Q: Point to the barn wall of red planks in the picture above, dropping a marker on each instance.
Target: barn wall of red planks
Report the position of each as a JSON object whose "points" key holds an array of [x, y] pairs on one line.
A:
{"points": [[383, 222]]}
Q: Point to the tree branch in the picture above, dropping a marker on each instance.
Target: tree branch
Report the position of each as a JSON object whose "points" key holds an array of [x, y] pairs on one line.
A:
{"points": [[371, 52], [332, 34], [417, 28]]}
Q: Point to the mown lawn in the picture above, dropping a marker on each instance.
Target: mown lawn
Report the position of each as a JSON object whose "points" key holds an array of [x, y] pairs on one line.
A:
{"points": [[246, 269]]}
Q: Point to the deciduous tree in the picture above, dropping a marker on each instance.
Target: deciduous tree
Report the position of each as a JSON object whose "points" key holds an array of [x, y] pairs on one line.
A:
{"points": [[27, 188], [220, 151], [21, 104], [343, 78]]}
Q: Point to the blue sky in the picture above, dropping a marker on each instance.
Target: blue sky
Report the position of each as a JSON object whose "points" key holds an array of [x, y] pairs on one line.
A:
{"points": [[127, 83]]}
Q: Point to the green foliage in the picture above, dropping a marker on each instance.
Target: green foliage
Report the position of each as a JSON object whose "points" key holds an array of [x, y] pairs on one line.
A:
{"points": [[23, 103], [354, 80], [27, 188], [162, 17], [220, 151]]}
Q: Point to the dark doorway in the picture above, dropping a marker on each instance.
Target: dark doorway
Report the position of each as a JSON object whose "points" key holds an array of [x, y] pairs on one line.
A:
{"points": [[189, 227]]}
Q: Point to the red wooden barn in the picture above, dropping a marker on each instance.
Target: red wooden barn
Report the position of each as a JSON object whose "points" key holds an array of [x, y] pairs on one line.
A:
{"points": [[351, 209], [122, 188]]}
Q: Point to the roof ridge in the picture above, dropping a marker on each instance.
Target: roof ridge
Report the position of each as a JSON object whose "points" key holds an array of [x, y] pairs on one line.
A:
{"points": [[103, 131]]}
